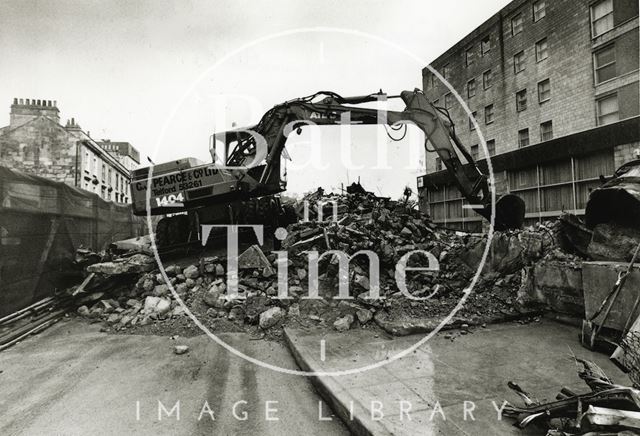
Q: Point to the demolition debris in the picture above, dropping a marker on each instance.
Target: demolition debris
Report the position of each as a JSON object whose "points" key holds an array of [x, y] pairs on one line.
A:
{"points": [[140, 300], [608, 408]]}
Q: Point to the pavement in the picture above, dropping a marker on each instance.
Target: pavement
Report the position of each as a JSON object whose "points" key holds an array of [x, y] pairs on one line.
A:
{"points": [[445, 387], [74, 380]]}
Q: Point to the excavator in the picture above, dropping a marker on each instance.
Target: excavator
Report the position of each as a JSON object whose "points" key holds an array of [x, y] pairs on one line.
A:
{"points": [[241, 183]]}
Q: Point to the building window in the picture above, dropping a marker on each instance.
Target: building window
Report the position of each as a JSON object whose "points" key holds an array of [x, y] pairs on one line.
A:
{"points": [[486, 79], [491, 147], [488, 114], [544, 91], [607, 108], [448, 100], [542, 51], [445, 72], [539, 10], [605, 64], [601, 17], [471, 88], [468, 57], [521, 100], [546, 131], [475, 152], [485, 45], [438, 164], [474, 116], [516, 24], [518, 62], [523, 138]]}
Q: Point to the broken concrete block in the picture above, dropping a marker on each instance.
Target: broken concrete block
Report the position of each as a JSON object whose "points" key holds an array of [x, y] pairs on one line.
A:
{"points": [[219, 271], [172, 270], [132, 302], [254, 305], [406, 232], [598, 280], [236, 313], [559, 286], [191, 272], [212, 296], [294, 310], [150, 304], [613, 242], [180, 349], [161, 290], [343, 324], [148, 285], [135, 264], [364, 316], [253, 258], [83, 311], [178, 311], [362, 281], [113, 318], [163, 306], [271, 317], [108, 306]]}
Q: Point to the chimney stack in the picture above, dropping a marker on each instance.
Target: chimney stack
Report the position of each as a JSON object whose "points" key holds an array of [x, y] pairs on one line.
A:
{"points": [[25, 110]]}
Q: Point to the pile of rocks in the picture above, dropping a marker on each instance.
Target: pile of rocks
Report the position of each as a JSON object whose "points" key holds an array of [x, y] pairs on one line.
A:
{"points": [[141, 295]]}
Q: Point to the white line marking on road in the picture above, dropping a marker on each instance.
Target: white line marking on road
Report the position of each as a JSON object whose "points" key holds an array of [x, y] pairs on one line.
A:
{"points": [[322, 350]]}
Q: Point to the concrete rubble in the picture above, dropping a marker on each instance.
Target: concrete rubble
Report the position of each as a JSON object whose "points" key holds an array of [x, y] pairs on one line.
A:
{"points": [[525, 273], [139, 297]]}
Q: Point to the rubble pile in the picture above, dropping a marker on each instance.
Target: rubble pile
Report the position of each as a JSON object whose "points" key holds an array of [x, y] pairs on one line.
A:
{"points": [[387, 229]]}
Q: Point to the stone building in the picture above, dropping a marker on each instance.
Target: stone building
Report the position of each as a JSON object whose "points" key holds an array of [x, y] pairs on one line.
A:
{"points": [[35, 142], [554, 88]]}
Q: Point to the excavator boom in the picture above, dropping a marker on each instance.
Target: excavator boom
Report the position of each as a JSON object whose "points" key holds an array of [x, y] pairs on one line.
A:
{"points": [[246, 162], [332, 108]]}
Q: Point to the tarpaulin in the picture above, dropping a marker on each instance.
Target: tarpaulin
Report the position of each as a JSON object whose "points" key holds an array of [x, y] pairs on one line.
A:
{"points": [[42, 223]]}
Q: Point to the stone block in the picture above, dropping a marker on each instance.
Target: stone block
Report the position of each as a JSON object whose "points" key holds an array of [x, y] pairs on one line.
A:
{"points": [[559, 285], [599, 279]]}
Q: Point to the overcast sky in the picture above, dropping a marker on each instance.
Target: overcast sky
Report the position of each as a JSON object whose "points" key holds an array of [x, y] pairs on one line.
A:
{"points": [[129, 70]]}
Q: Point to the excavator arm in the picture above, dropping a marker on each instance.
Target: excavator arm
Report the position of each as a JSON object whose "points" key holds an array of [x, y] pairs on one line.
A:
{"points": [[265, 143]]}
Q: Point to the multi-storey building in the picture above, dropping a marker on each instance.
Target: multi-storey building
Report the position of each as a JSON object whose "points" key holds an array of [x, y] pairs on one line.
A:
{"points": [[554, 87], [124, 152], [35, 142]]}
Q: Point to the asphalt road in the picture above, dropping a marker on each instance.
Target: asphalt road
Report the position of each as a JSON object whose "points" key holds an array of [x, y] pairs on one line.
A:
{"points": [[74, 380]]}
